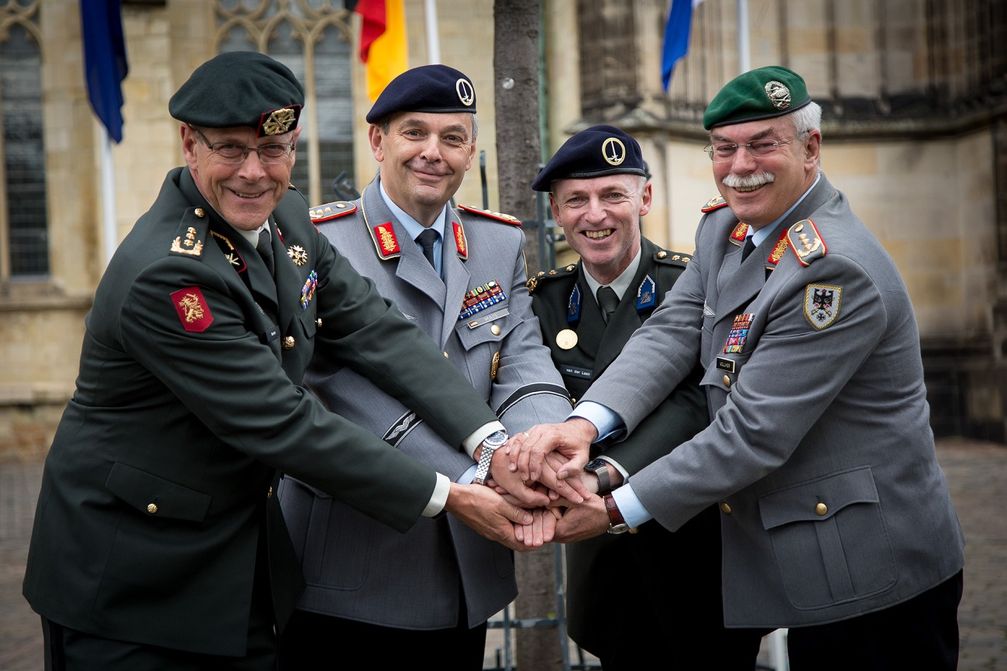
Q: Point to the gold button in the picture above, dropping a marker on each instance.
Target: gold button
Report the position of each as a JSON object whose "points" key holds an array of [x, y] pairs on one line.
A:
{"points": [[821, 509], [725, 507], [340, 205], [552, 272], [318, 322], [199, 212], [269, 492], [445, 355], [727, 380], [662, 254], [540, 273], [685, 259], [570, 268], [152, 508], [495, 329], [799, 228], [289, 342], [676, 257]]}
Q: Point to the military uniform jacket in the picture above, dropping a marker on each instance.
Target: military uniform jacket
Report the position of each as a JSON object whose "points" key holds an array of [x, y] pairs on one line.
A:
{"points": [[562, 300], [361, 570], [158, 483], [820, 448]]}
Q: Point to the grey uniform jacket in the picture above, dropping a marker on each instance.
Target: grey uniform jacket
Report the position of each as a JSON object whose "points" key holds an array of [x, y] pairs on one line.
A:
{"points": [[820, 449], [362, 570]]}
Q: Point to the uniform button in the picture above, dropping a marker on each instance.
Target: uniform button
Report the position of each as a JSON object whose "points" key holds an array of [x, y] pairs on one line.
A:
{"points": [[289, 342], [495, 329], [727, 380], [725, 507], [570, 268], [821, 509], [318, 322], [269, 492], [199, 212], [445, 355], [662, 254], [552, 272], [152, 508]]}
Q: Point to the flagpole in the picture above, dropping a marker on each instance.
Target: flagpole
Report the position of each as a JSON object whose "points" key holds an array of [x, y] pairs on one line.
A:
{"points": [[433, 39], [108, 227], [744, 58]]}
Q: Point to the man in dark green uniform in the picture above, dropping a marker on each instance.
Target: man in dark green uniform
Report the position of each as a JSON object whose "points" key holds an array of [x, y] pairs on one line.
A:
{"points": [[653, 594], [158, 543]]}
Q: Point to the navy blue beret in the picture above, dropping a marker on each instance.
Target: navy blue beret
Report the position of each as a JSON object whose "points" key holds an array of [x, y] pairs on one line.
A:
{"points": [[593, 152], [428, 88], [240, 88]]}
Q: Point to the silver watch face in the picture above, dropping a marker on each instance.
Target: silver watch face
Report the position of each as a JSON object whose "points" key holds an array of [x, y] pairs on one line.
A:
{"points": [[595, 464], [495, 439]]}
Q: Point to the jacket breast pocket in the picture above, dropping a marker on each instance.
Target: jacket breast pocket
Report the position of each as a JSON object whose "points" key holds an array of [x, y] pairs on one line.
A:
{"points": [[156, 497], [829, 539], [489, 327]]}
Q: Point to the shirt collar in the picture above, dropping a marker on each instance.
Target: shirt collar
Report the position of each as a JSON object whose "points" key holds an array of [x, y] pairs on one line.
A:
{"points": [[764, 232], [621, 283], [413, 227]]}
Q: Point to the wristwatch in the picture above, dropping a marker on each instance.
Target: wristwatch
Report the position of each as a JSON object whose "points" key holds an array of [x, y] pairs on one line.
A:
{"points": [[491, 444], [616, 523], [600, 468]]}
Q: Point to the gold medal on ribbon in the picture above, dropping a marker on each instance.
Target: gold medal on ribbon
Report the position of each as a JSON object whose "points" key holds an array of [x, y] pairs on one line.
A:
{"points": [[566, 339]]}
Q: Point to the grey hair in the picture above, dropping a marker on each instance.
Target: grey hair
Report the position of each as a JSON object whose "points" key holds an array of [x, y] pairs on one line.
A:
{"points": [[808, 118]]}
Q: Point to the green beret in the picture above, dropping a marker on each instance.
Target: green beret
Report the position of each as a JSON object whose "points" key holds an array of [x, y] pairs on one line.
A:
{"points": [[240, 88], [762, 93]]}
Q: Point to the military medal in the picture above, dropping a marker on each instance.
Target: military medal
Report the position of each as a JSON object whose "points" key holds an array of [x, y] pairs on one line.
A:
{"points": [[480, 298], [566, 339], [308, 290], [738, 334], [297, 254]]}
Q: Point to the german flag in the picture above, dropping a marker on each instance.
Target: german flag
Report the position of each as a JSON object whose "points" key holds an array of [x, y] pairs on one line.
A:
{"points": [[383, 43]]}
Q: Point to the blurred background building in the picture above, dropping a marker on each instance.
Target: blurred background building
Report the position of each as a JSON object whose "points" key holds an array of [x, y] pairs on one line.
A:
{"points": [[915, 128]]}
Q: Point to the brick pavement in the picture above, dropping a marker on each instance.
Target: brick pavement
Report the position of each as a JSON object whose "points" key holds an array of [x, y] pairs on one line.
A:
{"points": [[976, 471]]}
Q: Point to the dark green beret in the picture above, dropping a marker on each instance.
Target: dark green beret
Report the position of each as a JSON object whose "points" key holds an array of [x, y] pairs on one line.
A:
{"points": [[593, 152], [240, 88], [762, 93], [428, 88]]}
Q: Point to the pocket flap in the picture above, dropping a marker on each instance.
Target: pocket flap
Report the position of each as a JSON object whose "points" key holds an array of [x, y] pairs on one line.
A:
{"points": [[492, 327], [154, 496], [818, 499]]}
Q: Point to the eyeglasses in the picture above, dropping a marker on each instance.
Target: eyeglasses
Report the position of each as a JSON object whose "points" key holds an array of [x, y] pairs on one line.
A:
{"points": [[719, 152], [229, 152]]}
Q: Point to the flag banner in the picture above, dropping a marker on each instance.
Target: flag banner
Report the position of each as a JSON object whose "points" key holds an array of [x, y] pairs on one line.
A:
{"points": [[383, 42], [676, 36], [105, 64]]}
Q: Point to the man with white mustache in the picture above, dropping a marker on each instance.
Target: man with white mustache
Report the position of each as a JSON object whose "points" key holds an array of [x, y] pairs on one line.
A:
{"points": [[424, 595], [836, 519]]}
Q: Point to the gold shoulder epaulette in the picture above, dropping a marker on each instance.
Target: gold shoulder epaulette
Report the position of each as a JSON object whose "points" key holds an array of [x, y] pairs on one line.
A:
{"points": [[329, 211], [543, 276], [489, 214], [714, 204], [191, 233], [671, 258], [806, 242]]}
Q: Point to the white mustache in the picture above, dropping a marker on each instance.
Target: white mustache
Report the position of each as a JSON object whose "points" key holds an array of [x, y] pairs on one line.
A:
{"points": [[749, 181]]}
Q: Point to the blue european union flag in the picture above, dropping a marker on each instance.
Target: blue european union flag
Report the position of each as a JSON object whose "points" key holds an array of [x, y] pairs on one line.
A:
{"points": [[676, 37], [105, 63]]}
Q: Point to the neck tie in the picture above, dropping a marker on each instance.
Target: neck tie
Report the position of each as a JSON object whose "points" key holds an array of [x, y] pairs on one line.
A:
{"points": [[608, 301], [427, 239], [265, 249], [749, 246]]}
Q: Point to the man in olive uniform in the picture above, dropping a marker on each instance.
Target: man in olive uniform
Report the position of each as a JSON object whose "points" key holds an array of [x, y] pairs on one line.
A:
{"points": [[430, 590], [654, 594], [158, 543], [836, 520]]}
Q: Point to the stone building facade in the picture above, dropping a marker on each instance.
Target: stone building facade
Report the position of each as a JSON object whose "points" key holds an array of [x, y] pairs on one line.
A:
{"points": [[914, 92]]}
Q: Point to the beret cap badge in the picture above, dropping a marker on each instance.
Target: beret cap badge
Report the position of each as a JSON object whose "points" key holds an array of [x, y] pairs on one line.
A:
{"points": [[614, 151], [466, 92], [279, 121], [779, 95]]}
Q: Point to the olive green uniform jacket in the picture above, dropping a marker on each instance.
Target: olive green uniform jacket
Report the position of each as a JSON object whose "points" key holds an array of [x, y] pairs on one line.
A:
{"points": [[157, 487]]}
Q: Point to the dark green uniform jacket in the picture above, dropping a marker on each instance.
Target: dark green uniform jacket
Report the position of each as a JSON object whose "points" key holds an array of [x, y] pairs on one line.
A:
{"points": [[158, 484], [633, 586]]}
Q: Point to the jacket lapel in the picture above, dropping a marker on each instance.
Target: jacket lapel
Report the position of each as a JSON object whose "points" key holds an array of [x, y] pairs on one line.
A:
{"points": [[457, 280]]}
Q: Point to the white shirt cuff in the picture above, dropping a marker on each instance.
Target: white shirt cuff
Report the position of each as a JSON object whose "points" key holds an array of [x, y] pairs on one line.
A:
{"points": [[439, 498], [476, 438], [605, 420], [629, 505]]}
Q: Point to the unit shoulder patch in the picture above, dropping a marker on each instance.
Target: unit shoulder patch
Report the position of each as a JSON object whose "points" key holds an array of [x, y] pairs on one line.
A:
{"points": [[714, 203], [806, 242], [821, 304], [554, 274], [490, 214], [670, 258], [329, 211]]}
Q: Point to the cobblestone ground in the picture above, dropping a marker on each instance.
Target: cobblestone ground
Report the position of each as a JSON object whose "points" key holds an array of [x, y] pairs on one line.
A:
{"points": [[977, 473]]}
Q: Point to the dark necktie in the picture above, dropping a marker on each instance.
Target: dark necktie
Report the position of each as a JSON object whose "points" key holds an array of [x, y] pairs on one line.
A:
{"points": [[265, 249], [427, 239], [608, 301], [749, 246]]}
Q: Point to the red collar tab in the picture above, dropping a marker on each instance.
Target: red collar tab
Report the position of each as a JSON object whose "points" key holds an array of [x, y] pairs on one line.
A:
{"points": [[739, 234], [385, 242], [461, 244], [779, 249]]}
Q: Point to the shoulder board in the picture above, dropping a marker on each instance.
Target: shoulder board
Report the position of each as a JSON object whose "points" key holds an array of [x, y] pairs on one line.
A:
{"points": [[543, 276], [806, 242], [489, 214], [714, 204], [329, 211], [671, 258], [192, 232]]}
